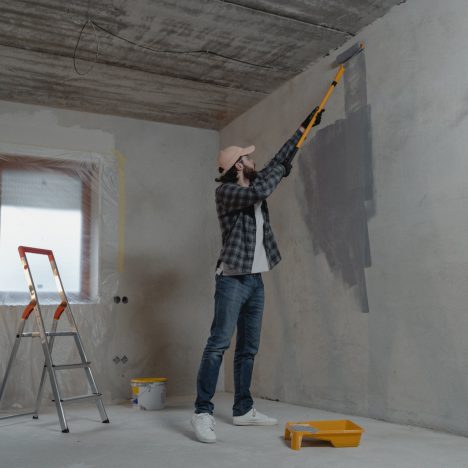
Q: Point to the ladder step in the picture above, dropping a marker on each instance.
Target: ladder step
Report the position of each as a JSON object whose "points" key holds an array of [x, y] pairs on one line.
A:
{"points": [[29, 335], [37, 334], [80, 365], [92, 396], [61, 333]]}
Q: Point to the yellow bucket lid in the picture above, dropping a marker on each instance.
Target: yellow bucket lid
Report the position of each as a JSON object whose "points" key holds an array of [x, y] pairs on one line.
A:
{"points": [[149, 380]]}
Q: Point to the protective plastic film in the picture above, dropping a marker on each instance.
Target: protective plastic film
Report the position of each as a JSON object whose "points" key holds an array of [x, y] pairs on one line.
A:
{"points": [[67, 204]]}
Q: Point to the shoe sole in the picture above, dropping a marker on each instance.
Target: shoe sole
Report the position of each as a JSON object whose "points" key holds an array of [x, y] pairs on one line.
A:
{"points": [[206, 441], [254, 423]]}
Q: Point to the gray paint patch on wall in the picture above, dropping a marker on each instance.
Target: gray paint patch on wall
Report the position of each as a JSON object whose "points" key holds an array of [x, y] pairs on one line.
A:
{"points": [[337, 185]]}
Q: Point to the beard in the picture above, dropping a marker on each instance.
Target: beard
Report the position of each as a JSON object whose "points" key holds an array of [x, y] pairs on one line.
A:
{"points": [[250, 174]]}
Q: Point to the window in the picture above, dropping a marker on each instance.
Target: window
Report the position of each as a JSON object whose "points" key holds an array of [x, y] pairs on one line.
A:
{"points": [[46, 203]]}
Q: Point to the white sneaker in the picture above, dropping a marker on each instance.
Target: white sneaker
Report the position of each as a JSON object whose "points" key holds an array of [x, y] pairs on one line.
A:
{"points": [[203, 424], [254, 418]]}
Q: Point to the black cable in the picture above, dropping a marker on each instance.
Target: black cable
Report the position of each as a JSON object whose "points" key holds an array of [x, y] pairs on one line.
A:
{"points": [[77, 44], [158, 51], [197, 51]]}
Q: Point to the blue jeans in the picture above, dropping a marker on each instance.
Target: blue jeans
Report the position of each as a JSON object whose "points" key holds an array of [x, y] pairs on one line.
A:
{"points": [[238, 301]]}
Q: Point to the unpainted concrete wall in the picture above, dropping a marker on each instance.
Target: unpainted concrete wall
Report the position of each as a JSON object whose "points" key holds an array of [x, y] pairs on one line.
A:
{"points": [[171, 242], [373, 215]]}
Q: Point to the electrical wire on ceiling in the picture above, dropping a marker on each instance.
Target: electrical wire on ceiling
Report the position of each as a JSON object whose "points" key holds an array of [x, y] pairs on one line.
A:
{"points": [[95, 26], [96, 38]]}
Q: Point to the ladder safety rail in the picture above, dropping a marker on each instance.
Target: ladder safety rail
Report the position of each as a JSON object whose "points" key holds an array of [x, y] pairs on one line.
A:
{"points": [[23, 250]]}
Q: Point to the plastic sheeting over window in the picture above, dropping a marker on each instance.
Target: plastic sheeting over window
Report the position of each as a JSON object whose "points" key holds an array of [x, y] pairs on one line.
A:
{"points": [[67, 205]]}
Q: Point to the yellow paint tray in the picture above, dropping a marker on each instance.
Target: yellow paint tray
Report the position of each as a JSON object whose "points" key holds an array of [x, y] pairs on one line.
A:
{"points": [[340, 433]]}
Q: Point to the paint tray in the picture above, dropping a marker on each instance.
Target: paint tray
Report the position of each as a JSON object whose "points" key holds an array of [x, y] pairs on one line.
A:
{"points": [[340, 433]]}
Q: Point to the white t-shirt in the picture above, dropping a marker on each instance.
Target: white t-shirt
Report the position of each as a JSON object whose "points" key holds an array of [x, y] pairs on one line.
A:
{"points": [[260, 261]]}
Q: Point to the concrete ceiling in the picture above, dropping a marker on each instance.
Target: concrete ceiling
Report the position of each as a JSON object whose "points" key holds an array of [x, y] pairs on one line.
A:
{"points": [[248, 49]]}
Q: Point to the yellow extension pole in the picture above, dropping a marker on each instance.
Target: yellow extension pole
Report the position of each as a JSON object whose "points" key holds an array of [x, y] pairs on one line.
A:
{"points": [[338, 76]]}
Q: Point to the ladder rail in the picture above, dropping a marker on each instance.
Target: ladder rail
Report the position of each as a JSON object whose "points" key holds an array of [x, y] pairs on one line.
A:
{"points": [[44, 371], [12, 357], [45, 343], [91, 381], [11, 416], [79, 343]]}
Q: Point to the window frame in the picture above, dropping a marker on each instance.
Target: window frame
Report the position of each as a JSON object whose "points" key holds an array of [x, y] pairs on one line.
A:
{"points": [[71, 168]]}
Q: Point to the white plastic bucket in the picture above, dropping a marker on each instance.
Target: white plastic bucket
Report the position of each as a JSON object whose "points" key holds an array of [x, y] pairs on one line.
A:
{"points": [[150, 393]]}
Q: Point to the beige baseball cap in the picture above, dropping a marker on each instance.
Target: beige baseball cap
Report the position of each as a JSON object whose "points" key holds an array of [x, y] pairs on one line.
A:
{"points": [[229, 156]]}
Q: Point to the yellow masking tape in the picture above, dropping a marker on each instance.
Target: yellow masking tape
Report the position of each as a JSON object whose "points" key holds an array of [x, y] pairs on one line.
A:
{"points": [[122, 209]]}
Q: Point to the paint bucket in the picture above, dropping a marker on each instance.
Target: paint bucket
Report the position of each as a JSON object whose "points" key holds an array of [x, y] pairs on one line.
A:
{"points": [[149, 393]]}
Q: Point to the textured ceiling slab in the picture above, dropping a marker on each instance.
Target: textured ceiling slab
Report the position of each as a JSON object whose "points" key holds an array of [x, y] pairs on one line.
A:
{"points": [[246, 50], [345, 16], [39, 78]]}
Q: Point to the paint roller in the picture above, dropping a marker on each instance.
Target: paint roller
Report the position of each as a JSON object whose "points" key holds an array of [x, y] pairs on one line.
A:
{"points": [[339, 62]]}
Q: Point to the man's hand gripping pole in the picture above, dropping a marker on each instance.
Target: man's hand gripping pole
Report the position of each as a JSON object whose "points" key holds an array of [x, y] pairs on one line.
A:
{"points": [[321, 106]]}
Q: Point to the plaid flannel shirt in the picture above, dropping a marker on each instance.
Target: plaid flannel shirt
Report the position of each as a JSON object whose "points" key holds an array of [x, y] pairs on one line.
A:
{"points": [[236, 214]]}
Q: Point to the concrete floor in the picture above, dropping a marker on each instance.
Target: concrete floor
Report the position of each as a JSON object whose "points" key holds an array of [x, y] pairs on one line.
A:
{"points": [[140, 439]]}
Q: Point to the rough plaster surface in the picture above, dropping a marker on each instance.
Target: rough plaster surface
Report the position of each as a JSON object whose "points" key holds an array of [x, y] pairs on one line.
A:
{"points": [[170, 229], [405, 361]]}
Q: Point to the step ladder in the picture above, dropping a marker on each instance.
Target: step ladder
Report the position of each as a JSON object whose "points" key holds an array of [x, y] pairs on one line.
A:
{"points": [[47, 342]]}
